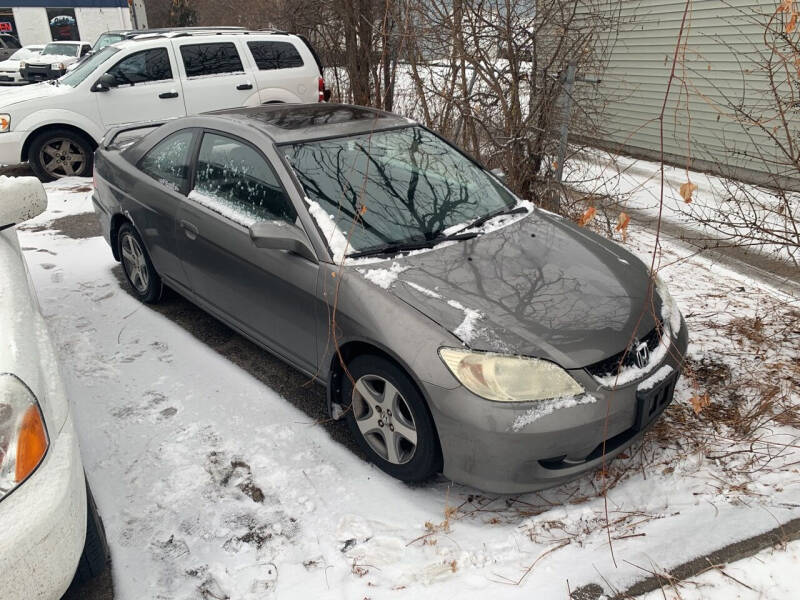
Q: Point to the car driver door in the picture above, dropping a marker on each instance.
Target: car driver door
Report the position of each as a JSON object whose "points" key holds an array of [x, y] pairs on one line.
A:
{"points": [[146, 88], [268, 294]]}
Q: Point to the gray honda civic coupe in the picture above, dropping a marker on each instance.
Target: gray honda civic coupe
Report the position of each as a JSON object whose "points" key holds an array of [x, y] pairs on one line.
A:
{"points": [[457, 328]]}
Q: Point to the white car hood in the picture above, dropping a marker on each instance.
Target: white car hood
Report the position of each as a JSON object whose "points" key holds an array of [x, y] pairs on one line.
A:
{"points": [[9, 97], [49, 59], [9, 65], [28, 351]]}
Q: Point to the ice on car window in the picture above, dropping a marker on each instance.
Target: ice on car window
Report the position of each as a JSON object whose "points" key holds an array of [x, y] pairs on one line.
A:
{"points": [[168, 161], [234, 180]]}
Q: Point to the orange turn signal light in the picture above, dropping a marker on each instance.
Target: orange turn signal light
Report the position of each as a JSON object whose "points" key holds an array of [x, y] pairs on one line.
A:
{"points": [[31, 443], [4, 124]]}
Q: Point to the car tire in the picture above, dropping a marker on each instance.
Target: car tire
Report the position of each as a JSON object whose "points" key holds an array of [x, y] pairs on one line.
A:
{"points": [[94, 557], [137, 266], [374, 426], [70, 154]]}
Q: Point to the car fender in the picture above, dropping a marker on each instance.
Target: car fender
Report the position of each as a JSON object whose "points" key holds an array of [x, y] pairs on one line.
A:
{"points": [[275, 94], [58, 116]]}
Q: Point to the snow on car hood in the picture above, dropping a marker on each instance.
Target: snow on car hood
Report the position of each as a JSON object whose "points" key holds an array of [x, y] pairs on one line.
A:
{"points": [[12, 96], [9, 66], [538, 287]]}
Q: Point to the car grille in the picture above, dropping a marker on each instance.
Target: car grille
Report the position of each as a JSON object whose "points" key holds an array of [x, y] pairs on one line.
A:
{"points": [[609, 366]]}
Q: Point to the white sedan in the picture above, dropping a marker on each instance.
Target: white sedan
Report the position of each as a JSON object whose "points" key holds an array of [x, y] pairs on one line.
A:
{"points": [[9, 69], [51, 532]]}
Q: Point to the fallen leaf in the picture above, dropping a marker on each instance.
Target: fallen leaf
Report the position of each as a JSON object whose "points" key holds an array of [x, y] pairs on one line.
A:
{"points": [[785, 6], [587, 216], [686, 191], [555, 165], [623, 221], [699, 402]]}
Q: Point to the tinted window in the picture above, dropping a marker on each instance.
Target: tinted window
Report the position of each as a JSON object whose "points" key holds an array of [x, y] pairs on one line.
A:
{"points": [[168, 161], [275, 55], [211, 59], [10, 42], [148, 65], [235, 181]]}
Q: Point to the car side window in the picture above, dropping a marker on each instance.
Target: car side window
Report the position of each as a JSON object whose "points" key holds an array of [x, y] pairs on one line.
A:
{"points": [[211, 59], [168, 161], [275, 55], [147, 65], [234, 180]]}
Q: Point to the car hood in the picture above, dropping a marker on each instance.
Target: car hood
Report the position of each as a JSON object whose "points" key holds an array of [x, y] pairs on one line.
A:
{"points": [[9, 65], [538, 287], [28, 93]]}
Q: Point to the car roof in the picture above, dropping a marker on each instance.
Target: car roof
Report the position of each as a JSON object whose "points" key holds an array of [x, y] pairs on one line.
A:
{"points": [[289, 123]]}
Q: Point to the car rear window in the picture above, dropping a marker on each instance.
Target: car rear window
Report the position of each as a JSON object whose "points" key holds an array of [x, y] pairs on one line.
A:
{"points": [[211, 59], [275, 55]]}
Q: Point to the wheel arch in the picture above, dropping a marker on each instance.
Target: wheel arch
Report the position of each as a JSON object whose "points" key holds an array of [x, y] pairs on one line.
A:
{"points": [[116, 222], [55, 126]]}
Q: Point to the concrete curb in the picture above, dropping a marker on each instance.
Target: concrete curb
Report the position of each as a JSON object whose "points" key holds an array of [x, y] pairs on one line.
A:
{"points": [[732, 552]]}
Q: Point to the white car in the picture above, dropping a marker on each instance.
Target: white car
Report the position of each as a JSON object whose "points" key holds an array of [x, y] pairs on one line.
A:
{"points": [[54, 60], [56, 126], [9, 69], [51, 531]]}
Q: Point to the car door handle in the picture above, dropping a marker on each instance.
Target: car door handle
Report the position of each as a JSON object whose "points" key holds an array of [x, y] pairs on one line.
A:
{"points": [[244, 86], [189, 229], [165, 95]]}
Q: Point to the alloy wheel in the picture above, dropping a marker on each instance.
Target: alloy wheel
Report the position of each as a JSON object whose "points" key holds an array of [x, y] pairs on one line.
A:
{"points": [[385, 419], [134, 262], [63, 157]]}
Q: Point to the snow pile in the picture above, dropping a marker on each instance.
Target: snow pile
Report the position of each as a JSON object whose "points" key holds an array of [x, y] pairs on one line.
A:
{"points": [[660, 375], [546, 407], [23, 198], [383, 278], [221, 206], [337, 241], [468, 328]]}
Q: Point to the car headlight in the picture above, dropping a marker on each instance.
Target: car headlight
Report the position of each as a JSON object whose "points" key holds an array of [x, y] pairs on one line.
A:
{"points": [[57, 66], [22, 64], [5, 123], [670, 313], [23, 436], [509, 378]]}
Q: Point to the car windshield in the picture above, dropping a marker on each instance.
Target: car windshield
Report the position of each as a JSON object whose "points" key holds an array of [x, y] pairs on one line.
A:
{"points": [[106, 40], [405, 185], [25, 53], [61, 50], [88, 66]]}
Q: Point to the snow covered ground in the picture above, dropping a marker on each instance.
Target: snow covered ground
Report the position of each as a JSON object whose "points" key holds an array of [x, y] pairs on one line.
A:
{"points": [[631, 183], [769, 575], [213, 485]]}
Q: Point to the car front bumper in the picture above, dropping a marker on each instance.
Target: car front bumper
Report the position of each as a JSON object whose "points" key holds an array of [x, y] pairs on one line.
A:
{"points": [[11, 146], [11, 77], [44, 524], [507, 448], [41, 73]]}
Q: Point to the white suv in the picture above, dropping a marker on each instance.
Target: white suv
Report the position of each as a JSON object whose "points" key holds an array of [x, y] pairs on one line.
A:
{"points": [[57, 125]]}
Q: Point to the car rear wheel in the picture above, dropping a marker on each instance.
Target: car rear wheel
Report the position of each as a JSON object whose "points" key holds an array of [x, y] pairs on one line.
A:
{"points": [[95, 550], [136, 264], [389, 419], [60, 153]]}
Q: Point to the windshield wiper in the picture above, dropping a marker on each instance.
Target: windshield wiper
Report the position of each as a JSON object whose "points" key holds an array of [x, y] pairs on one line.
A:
{"points": [[395, 247], [498, 213]]}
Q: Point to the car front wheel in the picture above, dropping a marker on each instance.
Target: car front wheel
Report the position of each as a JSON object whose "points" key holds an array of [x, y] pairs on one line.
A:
{"points": [[61, 153], [95, 549], [390, 420]]}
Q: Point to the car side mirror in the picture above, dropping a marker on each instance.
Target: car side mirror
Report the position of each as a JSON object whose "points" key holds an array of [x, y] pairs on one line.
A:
{"points": [[500, 174], [280, 235], [105, 83], [23, 198]]}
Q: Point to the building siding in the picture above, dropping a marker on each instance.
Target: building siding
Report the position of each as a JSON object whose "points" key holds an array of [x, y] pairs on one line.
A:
{"points": [[724, 39]]}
